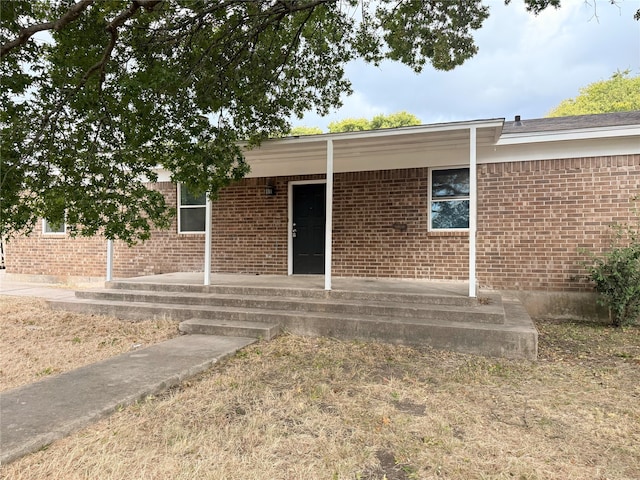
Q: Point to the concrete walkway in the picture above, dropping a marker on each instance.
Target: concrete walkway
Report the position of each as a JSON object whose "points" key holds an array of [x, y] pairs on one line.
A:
{"points": [[37, 414], [41, 290]]}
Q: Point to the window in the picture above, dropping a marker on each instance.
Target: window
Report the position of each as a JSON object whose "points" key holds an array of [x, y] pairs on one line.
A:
{"points": [[449, 199], [191, 211], [49, 228]]}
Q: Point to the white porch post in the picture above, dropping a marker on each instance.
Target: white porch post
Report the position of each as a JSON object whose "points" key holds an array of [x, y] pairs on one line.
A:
{"points": [[109, 260], [473, 202], [328, 237], [207, 242]]}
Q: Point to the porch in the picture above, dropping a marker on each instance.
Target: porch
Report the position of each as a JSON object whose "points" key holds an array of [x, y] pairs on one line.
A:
{"points": [[354, 203], [305, 282], [400, 311]]}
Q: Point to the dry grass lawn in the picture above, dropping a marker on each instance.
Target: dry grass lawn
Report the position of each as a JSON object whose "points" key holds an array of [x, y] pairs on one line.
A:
{"points": [[37, 342], [318, 408]]}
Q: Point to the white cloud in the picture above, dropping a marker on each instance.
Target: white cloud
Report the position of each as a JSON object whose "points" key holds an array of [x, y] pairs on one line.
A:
{"points": [[525, 65]]}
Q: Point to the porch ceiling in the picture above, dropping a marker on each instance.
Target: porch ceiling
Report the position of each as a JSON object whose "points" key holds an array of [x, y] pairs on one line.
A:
{"points": [[425, 145]]}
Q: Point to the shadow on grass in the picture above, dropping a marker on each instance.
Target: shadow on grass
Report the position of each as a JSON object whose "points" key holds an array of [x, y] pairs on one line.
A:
{"points": [[586, 339]]}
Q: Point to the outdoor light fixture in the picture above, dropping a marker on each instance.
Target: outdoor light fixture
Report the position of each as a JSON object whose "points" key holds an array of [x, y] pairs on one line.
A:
{"points": [[269, 190]]}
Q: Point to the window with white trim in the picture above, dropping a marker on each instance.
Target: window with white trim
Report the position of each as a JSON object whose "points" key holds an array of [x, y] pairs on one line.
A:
{"points": [[50, 228], [191, 211], [449, 199]]}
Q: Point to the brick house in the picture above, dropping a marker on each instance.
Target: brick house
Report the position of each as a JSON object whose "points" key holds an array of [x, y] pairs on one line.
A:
{"points": [[498, 204]]}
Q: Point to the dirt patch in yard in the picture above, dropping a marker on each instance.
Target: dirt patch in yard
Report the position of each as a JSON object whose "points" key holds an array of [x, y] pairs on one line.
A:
{"points": [[299, 408]]}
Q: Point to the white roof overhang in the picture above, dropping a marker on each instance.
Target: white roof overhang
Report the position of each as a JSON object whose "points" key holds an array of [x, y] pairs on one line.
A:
{"points": [[568, 135], [436, 145], [407, 147], [586, 142]]}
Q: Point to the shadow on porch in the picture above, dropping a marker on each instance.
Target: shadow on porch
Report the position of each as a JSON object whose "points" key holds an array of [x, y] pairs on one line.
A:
{"points": [[412, 312]]}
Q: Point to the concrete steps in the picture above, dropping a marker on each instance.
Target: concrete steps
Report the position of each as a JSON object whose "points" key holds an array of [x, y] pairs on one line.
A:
{"points": [[458, 323], [232, 322], [492, 312], [222, 327], [372, 295]]}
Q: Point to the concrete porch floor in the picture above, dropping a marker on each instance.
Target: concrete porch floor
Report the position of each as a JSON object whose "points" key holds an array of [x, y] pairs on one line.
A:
{"points": [[311, 282]]}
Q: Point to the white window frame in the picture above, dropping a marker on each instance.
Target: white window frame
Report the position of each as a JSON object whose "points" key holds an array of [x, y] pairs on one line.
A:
{"points": [[446, 199], [180, 207], [46, 226]]}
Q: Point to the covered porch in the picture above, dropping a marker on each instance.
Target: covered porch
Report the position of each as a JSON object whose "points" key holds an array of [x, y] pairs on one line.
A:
{"points": [[371, 215]]}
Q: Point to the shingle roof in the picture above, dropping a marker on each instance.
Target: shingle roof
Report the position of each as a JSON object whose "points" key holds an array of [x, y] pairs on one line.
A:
{"points": [[572, 123]]}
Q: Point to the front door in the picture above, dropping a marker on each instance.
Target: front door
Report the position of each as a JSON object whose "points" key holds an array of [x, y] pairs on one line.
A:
{"points": [[308, 228]]}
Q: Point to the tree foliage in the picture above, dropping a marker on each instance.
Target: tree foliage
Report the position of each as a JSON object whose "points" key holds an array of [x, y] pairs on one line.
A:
{"points": [[394, 120], [349, 125], [95, 94], [621, 93], [303, 130]]}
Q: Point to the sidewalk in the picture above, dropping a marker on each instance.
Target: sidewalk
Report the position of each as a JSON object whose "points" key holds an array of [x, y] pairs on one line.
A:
{"points": [[41, 290], [35, 415]]}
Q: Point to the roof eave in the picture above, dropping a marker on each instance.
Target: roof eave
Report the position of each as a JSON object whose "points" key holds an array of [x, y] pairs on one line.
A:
{"points": [[496, 123], [565, 135]]}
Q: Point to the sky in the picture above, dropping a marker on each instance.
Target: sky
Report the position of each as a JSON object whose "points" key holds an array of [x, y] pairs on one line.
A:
{"points": [[526, 65]]}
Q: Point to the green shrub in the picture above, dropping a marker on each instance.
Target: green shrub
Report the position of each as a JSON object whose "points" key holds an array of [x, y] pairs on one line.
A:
{"points": [[617, 279], [616, 275]]}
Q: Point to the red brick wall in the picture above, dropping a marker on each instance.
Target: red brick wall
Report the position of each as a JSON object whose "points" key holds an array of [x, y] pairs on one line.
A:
{"points": [[55, 255], [250, 228], [533, 217], [368, 205], [62, 256], [165, 252]]}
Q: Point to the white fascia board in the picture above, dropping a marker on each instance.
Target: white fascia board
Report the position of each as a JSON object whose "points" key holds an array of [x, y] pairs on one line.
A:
{"points": [[390, 132], [164, 175], [433, 128], [564, 135], [590, 147]]}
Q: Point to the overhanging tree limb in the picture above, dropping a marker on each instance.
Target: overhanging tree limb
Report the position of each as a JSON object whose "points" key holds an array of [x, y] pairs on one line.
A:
{"points": [[23, 36], [112, 29]]}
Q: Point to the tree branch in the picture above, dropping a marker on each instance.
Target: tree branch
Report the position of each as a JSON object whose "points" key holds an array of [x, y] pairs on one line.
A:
{"points": [[112, 28], [25, 34], [272, 16]]}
